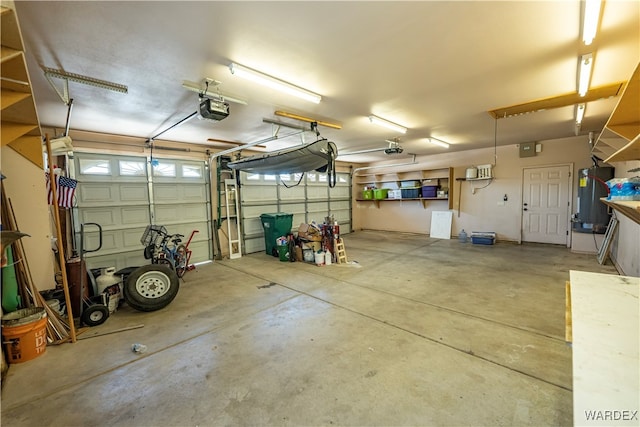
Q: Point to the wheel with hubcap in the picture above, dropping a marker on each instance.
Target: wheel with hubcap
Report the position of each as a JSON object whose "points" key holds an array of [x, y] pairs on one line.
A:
{"points": [[151, 287]]}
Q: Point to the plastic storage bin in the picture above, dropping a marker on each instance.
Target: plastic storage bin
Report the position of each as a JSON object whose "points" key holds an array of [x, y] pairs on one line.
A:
{"points": [[275, 225], [394, 194], [367, 194], [429, 191], [410, 184], [483, 238], [410, 193], [380, 193]]}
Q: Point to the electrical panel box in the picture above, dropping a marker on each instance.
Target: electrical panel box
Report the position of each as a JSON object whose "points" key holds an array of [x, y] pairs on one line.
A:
{"points": [[528, 149]]}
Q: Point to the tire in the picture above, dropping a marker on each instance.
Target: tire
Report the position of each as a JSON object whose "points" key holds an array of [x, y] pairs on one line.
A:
{"points": [[95, 315], [151, 287], [181, 260]]}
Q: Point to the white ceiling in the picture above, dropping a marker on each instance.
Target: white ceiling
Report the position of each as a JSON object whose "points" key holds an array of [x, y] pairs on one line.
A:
{"points": [[435, 67]]}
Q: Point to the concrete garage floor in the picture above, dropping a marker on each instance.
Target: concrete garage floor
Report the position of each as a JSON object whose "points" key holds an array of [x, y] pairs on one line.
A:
{"points": [[422, 332]]}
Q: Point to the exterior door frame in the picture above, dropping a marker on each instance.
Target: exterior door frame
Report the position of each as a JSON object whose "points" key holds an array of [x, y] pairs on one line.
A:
{"points": [[569, 196]]}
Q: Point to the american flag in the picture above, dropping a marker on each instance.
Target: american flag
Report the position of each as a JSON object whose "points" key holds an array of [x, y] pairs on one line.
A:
{"points": [[65, 190]]}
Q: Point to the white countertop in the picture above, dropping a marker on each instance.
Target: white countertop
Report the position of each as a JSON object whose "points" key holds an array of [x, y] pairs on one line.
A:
{"points": [[606, 357]]}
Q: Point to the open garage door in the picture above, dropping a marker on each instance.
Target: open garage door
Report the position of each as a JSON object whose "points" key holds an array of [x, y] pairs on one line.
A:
{"points": [[311, 200], [124, 194]]}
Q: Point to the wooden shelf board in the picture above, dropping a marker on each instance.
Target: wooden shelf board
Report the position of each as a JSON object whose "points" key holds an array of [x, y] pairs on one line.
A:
{"points": [[22, 111], [623, 127], [30, 147], [10, 32], [10, 97], [12, 131], [13, 65], [628, 208], [631, 151]]}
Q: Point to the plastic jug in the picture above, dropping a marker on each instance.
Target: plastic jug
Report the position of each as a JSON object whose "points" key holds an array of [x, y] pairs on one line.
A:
{"points": [[327, 257], [462, 237]]}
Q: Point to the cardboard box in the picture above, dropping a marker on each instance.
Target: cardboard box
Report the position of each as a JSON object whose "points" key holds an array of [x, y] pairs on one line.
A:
{"points": [[307, 232]]}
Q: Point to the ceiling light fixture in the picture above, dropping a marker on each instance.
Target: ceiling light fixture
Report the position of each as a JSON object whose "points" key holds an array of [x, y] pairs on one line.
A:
{"points": [[387, 124], [580, 109], [590, 22], [584, 73], [438, 142], [209, 92], [272, 82]]}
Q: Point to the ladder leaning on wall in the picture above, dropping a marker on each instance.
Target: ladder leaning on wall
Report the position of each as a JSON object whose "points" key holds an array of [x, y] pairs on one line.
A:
{"points": [[228, 207]]}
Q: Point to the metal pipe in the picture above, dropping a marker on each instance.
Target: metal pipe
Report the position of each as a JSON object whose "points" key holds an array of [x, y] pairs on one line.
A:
{"points": [[172, 126], [251, 144], [69, 108], [385, 166]]}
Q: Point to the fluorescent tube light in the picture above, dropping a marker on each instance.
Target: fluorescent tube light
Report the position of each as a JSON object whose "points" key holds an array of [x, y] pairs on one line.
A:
{"points": [[580, 108], [273, 83], [387, 124], [586, 62], [438, 142], [591, 18]]}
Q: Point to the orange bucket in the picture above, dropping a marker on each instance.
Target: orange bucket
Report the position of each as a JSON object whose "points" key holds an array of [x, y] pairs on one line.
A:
{"points": [[24, 334]]}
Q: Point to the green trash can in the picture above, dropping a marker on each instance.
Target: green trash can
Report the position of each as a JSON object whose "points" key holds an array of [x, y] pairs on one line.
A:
{"points": [[283, 252], [275, 225]]}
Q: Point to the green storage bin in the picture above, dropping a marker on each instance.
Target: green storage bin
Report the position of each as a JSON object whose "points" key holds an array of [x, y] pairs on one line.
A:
{"points": [[380, 193], [275, 225], [367, 194]]}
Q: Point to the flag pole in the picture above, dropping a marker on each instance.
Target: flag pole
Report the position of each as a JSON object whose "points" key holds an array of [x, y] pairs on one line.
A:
{"points": [[61, 258]]}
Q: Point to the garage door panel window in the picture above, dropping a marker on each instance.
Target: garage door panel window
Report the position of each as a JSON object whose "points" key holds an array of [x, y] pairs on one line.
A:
{"points": [[95, 167], [132, 167], [192, 171], [164, 169]]}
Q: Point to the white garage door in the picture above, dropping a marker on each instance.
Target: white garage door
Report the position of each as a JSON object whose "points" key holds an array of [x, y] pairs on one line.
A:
{"points": [[120, 194], [311, 200]]}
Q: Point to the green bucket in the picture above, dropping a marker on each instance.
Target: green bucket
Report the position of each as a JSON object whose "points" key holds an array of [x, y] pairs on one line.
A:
{"points": [[283, 252]]}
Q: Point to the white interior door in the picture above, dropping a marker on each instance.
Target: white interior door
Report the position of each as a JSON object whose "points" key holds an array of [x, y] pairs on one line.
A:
{"points": [[545, 204]]}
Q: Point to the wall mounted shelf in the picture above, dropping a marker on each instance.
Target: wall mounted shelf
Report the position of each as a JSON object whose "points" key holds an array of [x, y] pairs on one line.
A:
{"points": [[443, 177], [20, 124], [620, 139], [628, 208]]}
